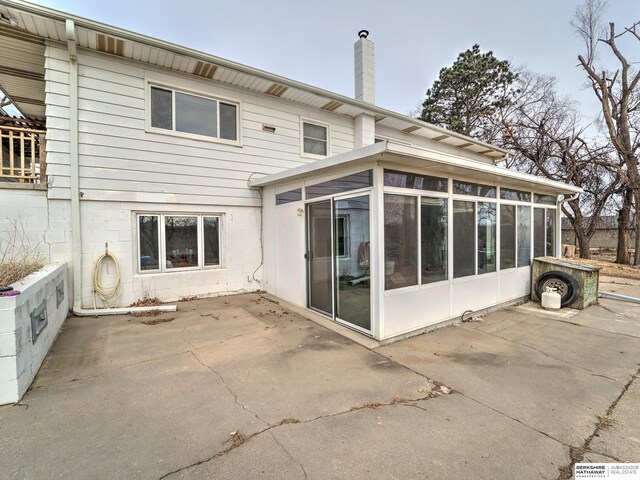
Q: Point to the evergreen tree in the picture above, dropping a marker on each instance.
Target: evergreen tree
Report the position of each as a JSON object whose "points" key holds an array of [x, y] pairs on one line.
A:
{"points": [[468, 94]]}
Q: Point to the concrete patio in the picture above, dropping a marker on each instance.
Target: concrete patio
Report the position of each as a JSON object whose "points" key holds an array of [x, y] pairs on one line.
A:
{"points": [[243, 387]]}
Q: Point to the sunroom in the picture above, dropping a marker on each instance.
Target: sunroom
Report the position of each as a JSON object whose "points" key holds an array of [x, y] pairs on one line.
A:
{"points": [[390, 240]]}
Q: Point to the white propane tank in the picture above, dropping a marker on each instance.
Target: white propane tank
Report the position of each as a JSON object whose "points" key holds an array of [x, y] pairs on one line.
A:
{"points": [[551, 299]]}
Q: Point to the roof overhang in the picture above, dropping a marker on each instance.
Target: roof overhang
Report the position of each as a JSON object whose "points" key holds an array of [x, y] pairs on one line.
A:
{"points": [[47, 23], [432, 162]]}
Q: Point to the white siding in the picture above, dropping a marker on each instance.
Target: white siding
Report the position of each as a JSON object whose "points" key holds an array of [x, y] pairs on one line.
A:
{"points": [[120, 160], [57, 111]]}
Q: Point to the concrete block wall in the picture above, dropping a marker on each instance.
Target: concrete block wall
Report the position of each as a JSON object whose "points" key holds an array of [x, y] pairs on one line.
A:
{"points": [[20, 357], [26, 211], [115, 224]]}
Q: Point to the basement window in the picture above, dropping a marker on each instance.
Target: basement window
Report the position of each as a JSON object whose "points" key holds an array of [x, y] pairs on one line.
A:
{"points": [[178, 242], [191, 114]]}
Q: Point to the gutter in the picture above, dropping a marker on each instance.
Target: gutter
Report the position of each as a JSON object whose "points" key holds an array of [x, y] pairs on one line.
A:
{"points": [[74, 173], [179, 50], [569, 199]]}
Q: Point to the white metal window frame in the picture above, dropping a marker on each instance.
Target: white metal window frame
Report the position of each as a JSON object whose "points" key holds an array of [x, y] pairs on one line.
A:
{"points": [[516, 203], [196, 93], [544, 207], [474, 199], [162, 247], [316, 123], [418, 195]]}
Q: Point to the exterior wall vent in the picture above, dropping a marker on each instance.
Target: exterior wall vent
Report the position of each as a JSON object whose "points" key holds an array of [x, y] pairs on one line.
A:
{"points": [[112, 45], [440, 138], [276, 90], [332, 106], [205, 70], [38, 321], [410, 129]]}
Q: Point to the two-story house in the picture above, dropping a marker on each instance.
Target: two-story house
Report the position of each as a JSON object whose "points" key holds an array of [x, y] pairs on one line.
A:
{"points": [[202, 176]]}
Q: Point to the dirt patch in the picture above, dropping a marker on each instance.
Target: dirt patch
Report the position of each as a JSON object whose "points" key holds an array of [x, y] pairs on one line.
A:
{"points": [[146, 302], [287, 421], [188, 299], [157, 321], [372, 406], [237, 440], [608, 268]]}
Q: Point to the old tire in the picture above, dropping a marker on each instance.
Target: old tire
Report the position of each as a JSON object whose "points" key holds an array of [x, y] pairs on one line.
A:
{"points": [[564, 284]]}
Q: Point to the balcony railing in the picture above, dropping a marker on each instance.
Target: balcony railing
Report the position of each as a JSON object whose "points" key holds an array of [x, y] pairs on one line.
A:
{"points": [[22, 156]]}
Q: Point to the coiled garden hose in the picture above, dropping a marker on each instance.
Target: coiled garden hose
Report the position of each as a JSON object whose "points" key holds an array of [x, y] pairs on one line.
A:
{"points": [[109, 294]]}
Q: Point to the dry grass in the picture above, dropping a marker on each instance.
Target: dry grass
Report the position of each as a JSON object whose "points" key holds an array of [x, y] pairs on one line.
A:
{"points": [[610, 269], [147, 302], [18, 258]]}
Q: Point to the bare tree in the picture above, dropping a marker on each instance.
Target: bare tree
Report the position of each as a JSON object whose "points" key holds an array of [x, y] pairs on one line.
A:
{"points": [[4, 100], [543, 130], [617, 92]]}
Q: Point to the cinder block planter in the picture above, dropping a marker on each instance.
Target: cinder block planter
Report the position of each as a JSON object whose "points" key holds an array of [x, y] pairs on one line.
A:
{"points": [[29, 323]]}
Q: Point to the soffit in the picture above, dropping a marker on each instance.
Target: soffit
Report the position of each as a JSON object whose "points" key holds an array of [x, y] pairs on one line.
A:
{"points": [[430, 162], [22, 70], [48, 23]]}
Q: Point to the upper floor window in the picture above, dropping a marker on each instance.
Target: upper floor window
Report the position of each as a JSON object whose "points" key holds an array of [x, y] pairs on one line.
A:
{"points": [[193, 114], [315, 139]]}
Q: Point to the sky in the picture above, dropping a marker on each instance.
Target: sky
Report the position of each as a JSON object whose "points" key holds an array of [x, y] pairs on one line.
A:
{"points": [[312, 42]]}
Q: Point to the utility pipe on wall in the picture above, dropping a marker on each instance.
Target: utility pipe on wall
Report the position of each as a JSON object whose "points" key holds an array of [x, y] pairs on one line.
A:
{"points": [[74, 172]]}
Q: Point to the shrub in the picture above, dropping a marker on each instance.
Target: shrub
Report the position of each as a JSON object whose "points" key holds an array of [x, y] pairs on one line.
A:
{"points": [[18, 258]]}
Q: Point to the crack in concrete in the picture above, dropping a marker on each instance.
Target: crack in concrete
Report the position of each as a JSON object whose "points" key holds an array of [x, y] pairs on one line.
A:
{"points": [[244, 439], [220, 377], [551, 437], [546, 354], [453, 390], [577, 453], [304, 472], [612, 457], [575, 324], [619, 314]]}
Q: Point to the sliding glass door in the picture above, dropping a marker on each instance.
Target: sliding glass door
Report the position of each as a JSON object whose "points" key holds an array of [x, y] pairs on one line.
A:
{"points": [[338, 259], [319, 257], [352, 259]]}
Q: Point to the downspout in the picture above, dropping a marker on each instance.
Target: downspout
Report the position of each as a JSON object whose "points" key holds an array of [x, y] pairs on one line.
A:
{"points": [[559, 221], [74, 173]]}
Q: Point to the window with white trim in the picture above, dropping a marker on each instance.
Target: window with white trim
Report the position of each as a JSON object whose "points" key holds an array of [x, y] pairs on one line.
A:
{"points": [[474, 238], [544, 231], [178, 241], [193, 114], [515, 232], [315, 139]]}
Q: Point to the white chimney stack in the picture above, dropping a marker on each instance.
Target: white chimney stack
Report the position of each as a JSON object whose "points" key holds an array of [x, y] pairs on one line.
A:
{"points": [[365, 126], [365, 68]]}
